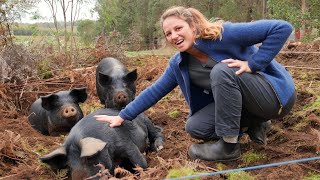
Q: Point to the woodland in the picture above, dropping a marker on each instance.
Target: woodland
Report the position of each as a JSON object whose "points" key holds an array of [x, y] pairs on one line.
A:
{"points": [[46, 57]]}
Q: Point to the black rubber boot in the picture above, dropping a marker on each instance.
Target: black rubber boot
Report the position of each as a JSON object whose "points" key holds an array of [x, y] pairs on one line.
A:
{"points": [[258, 132], [219, 151]]}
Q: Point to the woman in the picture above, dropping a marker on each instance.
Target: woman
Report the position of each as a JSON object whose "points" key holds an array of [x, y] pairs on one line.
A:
{"points": [[228, 82]]}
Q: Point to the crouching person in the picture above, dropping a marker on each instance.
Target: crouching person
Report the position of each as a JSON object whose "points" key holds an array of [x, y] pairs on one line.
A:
{"points": [[228, 82]]}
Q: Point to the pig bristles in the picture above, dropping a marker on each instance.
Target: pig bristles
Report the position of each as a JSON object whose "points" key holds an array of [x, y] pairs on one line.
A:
{"points": [[103, 174]]}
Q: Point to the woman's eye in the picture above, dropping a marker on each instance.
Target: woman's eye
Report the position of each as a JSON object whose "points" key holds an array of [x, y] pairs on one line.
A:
{"points": [[168, 34], [179, 28]]}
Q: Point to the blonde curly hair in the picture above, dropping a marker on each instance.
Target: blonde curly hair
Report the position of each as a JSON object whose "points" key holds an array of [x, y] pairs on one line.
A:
{"points": [[205, 28]]}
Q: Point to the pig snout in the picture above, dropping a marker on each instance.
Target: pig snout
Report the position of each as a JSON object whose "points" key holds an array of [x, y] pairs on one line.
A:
{"points": [[121, 98], [69, 111]]}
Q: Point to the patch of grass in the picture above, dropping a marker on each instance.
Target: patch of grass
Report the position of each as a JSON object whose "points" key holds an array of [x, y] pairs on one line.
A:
{"points": [[240, 175], [174, 114], [307, 109], [40, 149], [44, 69], [251, 157], [220, 166], [315, 105], [139, 62], [181, 172], [88, 108], [312, 176]]}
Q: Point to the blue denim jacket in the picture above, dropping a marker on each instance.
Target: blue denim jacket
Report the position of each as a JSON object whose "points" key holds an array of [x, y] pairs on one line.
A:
{"points": [[238, 42]]}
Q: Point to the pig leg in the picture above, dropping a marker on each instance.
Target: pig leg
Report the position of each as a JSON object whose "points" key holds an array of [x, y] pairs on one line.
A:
{"points": [[135, 156], [154, 134]]}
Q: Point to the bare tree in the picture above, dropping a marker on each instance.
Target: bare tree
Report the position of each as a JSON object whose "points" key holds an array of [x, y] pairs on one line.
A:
{"points": [[11, 11], [53, 8], [74, 15], [64, 7], [264, 8], [303, 23], [70, 11]]}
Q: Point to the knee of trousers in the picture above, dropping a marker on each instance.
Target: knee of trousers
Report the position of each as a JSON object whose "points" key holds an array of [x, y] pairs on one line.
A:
{"points": [[221, 73], [189, 127], [194, 131]]}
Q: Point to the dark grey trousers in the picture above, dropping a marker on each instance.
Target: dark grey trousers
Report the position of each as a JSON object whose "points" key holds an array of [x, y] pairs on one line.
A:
{"points": [[238, 101]]}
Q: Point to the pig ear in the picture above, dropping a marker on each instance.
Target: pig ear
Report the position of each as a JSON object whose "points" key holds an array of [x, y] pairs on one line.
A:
{"points": [[79, 94], [49, 102], [57, 159], [132, 76], [91, 146], [104, 79]]}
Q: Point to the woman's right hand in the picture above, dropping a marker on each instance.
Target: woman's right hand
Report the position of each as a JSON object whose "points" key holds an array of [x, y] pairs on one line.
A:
{"points": [[242, 65], [113, 120]]}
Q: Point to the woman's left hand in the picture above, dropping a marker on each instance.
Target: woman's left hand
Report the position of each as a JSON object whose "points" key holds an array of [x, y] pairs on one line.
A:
{"points": [[242, 65], [113, 120]]}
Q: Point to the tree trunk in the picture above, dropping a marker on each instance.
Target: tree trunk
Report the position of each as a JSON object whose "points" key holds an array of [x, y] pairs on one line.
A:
{"points": [[264, 9], [303, 25]]}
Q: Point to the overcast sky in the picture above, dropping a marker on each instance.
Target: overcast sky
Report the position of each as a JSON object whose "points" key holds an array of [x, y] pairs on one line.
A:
{"points": [[44, 11]]}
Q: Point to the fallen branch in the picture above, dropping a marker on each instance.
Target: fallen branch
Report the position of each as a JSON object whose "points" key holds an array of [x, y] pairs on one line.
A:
{"points": [[303, 67], [299, 52], [85, 68]]}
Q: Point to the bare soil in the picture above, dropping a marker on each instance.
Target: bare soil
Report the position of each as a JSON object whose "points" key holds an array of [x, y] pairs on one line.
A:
{"points": [[293, 137]]}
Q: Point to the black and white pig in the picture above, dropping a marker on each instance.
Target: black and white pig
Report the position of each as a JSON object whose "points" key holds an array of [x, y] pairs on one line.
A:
{"points": [[57, 113], [115, 84], [92, 142]]}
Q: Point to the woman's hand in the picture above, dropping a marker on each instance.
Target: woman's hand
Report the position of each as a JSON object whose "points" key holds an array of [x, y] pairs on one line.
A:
{"points": [[113, 120], [243, 65]]}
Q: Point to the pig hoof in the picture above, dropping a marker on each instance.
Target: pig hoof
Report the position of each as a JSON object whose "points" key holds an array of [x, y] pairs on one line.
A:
{"points": [[159, 148]]}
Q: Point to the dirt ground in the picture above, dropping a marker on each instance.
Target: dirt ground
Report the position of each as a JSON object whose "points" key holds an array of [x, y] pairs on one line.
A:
{"points": [[293, 137]]}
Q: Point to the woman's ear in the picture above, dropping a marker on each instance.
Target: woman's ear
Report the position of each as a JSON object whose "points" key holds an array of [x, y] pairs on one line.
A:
{"points": [[194, 29]]}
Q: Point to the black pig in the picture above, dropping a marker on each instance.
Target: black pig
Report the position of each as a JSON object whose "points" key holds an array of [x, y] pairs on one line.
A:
{"points": [[92, 142], [57, 113], [114, 83]]}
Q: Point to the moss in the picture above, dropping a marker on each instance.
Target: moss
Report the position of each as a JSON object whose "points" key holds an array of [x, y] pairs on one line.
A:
{"points": [[174, 114], [251, 157], [241, 175], [312, 176], [181, 172]]}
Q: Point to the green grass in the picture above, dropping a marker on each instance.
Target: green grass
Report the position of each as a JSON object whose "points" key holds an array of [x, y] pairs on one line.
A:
{"points": [[307, 110], [40, 149]]}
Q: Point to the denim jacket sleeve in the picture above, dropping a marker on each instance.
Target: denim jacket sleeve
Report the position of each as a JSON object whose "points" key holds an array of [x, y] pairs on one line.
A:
{"points": [[151, 95], [272, 34]]}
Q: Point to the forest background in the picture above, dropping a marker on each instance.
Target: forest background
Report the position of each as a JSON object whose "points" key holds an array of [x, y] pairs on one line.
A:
{"points": [[41, 58], [135, 22]]}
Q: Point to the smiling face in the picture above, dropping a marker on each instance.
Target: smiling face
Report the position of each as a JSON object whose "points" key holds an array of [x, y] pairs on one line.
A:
{"points": [[178, 33]]}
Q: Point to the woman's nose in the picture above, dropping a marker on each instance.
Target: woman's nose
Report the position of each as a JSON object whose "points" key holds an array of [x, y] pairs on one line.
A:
{"points": [[174, 35]]}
